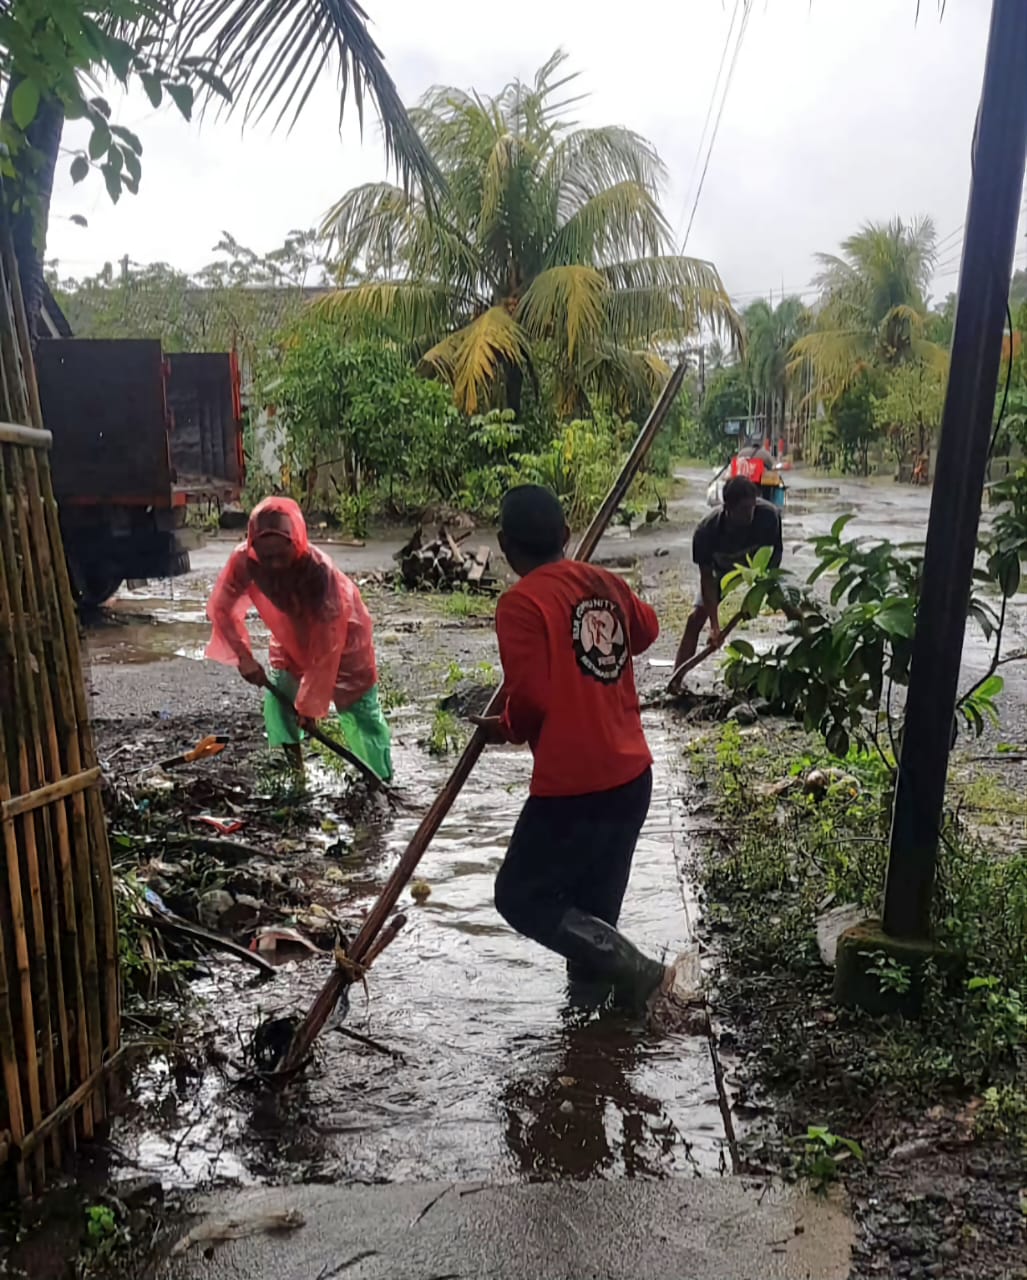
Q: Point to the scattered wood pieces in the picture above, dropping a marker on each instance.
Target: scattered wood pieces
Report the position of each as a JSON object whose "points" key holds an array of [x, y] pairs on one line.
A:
{"points": [[442, 563], [204, 937]]}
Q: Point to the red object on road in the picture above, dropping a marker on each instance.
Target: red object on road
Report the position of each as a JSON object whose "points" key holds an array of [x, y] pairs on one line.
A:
{"points": [[222, 827], [752, 468]]}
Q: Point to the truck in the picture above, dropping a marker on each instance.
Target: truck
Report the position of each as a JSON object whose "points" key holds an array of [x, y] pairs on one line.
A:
{"points": [[139, 436]]}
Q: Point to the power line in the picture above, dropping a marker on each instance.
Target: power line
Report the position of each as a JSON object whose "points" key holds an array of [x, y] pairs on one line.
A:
{"points": [[942, 246], [709, 113], [809, 291], [746, 11]]}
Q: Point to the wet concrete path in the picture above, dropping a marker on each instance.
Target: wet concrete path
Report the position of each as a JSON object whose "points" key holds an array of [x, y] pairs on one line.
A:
{"points": [[625, 1230]]}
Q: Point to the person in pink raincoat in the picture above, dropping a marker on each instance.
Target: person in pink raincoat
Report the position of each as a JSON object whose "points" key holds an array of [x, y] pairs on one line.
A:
{"points": [[322, 646]]}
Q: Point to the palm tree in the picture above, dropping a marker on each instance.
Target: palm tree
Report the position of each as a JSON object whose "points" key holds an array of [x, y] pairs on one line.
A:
{"points": [[873, 309], [547, 255], [266, 54], [770, 334]]}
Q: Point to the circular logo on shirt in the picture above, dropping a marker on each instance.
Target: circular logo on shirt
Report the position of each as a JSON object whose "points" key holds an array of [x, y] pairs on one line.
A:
{"points": [[600, 639]]}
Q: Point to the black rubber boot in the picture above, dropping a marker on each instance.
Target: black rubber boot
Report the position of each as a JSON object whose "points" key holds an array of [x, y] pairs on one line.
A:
{"points": [[592, 946]]}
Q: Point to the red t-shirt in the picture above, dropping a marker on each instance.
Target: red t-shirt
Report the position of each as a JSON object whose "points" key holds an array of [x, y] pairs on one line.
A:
{"points": [[567, 633]]}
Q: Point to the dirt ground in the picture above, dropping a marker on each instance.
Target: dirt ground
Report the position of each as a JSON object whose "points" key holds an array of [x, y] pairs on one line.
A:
{"points": [[475, 1065]]}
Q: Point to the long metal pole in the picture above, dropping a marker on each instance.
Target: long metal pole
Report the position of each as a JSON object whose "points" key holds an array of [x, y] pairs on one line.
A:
{"points": [[1000, 147], [341, 977]]}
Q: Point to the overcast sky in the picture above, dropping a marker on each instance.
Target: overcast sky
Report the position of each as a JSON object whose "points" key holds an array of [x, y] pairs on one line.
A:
{"points": [[839, 111]]}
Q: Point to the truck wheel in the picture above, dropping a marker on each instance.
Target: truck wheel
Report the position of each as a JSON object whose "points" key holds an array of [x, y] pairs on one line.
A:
{"points": [[92, 584]]}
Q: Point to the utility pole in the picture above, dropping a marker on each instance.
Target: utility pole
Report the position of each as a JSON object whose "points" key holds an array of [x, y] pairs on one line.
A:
{"points": [[999, 151]]}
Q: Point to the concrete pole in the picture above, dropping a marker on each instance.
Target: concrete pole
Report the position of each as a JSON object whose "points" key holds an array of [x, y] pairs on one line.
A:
{"points": [[1000, 147]]}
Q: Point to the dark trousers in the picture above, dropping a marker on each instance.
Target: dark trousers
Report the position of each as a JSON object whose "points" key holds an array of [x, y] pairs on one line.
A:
{"points": [[571, 852]]}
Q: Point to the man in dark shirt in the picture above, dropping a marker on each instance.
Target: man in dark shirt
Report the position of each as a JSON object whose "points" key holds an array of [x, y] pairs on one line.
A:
{"points": [[726, 538]]}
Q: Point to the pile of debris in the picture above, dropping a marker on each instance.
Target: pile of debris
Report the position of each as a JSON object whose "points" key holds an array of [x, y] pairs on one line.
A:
{"points": [[443, 564]]}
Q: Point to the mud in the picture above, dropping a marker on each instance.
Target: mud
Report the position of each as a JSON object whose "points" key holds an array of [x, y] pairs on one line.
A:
{"points": [[496, 1073]]}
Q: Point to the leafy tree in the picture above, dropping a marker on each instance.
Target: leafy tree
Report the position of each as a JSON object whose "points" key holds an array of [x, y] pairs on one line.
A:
{"points": [[843, 654], [909, 406], [727, 399], [770, 334], [263, 54], [358, 406], [241, 299], [1015, 421], [716, 356], [851, 425], [940, 323], [547, 257], [872, 312]]}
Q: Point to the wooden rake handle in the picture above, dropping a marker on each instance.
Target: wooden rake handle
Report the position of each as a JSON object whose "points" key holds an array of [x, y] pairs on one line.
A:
{"points": [[703, 654], [365, 770]]}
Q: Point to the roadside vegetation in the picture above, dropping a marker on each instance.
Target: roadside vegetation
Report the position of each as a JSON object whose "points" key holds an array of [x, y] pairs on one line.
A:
{"points": [[923, 1119]]}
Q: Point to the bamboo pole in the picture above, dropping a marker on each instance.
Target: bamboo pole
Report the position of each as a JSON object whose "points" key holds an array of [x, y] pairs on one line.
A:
{"points": [[11, 433], [83, 755], [65, 1113], [320, 1011], [84, 752], [51, 798], [9, 1055], [80, 917], [30, 991], [38, 837], [16, 1068], [48, 794], [17, 407]]}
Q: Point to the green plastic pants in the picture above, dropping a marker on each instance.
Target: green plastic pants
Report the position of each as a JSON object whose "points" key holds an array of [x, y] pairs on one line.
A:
{"points": [[364, 727]]}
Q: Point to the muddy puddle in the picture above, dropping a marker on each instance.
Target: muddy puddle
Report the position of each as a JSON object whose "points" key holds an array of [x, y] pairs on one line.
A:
{"points": [[498, 1075]]}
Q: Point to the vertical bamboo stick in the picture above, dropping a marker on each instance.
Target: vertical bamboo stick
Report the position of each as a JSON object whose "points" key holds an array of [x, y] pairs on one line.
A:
{"points": [[82, 755], [37, 842], [9, 1053], [10, 347], [85, 835], [70, 842], [11, 607], [52, 820]]}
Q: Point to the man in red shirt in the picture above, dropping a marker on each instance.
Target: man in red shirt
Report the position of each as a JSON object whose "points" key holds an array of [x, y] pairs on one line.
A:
{"points": [[567, 634]]}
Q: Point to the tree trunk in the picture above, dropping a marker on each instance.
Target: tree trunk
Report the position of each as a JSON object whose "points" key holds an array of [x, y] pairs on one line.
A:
{"points": [[28, 198], [514, 388]]}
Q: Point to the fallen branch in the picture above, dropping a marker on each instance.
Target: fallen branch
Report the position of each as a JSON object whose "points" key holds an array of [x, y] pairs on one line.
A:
{"points": [[376, 1045], [195, 933], [220, 847]]}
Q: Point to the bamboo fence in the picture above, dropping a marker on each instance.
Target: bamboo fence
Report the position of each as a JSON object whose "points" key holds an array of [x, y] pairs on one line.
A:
{"points": [[59, 983]]}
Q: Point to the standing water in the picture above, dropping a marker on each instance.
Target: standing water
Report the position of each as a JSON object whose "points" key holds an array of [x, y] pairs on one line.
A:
{"points": [[498, 1075]]}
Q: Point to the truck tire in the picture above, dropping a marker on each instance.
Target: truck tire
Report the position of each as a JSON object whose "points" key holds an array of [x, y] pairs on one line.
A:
{"points": [[92, 584]]}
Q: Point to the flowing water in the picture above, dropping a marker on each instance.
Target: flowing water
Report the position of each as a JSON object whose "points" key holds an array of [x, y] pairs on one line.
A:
{"points": [[500, 1076]]}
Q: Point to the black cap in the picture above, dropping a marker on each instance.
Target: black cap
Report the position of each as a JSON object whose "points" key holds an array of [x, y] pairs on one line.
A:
{"points": [[532, 519]]}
